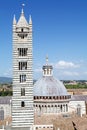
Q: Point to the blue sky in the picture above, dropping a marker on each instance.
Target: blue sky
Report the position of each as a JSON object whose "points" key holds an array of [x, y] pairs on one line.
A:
{"points": [[59, 31]]}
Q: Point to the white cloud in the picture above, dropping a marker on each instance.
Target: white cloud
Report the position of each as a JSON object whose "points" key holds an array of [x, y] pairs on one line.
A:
{"points": [[69, 73], [65, 65]]}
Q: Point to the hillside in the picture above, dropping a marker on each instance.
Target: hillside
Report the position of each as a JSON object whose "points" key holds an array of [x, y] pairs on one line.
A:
{"points": [[6, 80]]}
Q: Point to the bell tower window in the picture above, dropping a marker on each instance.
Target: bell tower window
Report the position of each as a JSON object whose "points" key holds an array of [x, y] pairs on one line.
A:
{"points": [[22, 65], [22, 33], [22, 51], [22, 30], [22, 104], [22, 78], [22, 91]]}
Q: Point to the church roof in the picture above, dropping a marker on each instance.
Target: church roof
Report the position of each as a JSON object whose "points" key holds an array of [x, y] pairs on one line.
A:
{"points": [[79, 98], [5, 99], [49, 86], [22, 22]]}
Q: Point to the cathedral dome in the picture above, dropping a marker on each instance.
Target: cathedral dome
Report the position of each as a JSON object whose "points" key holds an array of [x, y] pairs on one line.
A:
{"points": [[48, 85]]}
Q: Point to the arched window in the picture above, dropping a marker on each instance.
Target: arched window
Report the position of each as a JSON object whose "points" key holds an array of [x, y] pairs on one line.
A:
{"points": [[66, 108], [47, 71], [79, 110], [22, 30], [44, 72], [22, 104], [22, 78], [22, 51], [61, 108], [22, 65], [22, 91]]}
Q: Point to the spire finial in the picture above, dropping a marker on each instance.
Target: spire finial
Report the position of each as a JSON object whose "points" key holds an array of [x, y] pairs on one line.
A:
{"points": [[23, 8], [47, 59]]}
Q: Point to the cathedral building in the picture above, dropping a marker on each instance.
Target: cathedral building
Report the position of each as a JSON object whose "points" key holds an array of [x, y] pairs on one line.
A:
{"points": [[47, 96]]}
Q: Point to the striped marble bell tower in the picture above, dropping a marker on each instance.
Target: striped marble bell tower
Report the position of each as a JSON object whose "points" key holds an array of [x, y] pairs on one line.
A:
{"points": [[22, 100]]}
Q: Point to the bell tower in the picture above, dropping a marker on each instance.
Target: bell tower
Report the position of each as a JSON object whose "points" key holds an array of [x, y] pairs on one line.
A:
{"points": [[22, 100]]}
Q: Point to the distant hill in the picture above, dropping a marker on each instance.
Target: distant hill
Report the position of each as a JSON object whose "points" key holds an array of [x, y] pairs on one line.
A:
{"points": [[5, 80]]}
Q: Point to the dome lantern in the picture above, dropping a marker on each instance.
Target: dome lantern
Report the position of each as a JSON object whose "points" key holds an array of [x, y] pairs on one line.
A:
{"points": [[47, 69]]}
